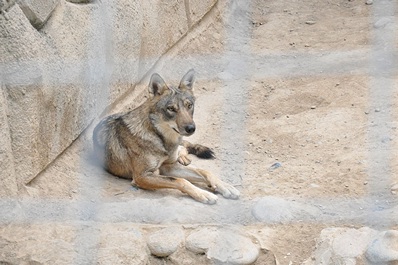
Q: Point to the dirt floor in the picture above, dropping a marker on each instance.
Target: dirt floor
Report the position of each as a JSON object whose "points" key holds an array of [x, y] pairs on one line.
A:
{"points": [[285, 98]]}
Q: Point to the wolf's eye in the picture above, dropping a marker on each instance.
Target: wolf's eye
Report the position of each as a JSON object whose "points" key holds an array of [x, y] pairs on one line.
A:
{"points": [[189, 105], [171, 109]]}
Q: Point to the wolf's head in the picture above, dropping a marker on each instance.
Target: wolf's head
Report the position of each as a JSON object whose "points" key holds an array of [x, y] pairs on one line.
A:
{"points": [[174, 106]]}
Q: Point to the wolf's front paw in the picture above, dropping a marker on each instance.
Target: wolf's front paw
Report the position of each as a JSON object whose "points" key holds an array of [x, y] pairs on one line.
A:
{"points": [[227, 191], [183, 156], [184, 160], [205, 197]]}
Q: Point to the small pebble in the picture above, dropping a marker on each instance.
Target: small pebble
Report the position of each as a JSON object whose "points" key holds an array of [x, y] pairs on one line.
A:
{"points": [[275, 166], [310, 22], [313, 107], [369, 2]]}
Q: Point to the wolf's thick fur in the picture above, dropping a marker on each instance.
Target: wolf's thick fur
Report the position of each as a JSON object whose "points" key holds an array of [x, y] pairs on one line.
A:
{"points": [[146, 144]]}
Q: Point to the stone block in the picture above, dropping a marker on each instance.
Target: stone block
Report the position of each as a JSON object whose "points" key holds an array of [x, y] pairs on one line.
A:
{"points": [[126, 46], [198, 8], [164, 23], [21, 74], [38, 11], [50, 102], [8, 183], [99, 46], [19, 42], [6, 4]]}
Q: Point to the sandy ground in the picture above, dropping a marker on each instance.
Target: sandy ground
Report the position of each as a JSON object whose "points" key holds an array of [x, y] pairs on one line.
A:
{"points": [[288, 96]]}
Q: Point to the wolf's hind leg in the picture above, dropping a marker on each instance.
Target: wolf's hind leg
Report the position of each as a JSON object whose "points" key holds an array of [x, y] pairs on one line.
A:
{"points": [[152, 181], [200, 175]]}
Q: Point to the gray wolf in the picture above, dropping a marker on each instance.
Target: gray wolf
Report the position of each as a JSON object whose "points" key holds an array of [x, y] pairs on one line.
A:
{"points": [[147, 146]]}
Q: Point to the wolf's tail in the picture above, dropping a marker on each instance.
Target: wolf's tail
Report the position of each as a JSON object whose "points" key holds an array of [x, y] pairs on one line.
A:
{"points": [[101, 131], [200, 151], [97, 134]]}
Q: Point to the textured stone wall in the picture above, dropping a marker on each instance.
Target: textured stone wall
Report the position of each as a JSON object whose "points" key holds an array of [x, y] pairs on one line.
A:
{"points": [[62, 62]]}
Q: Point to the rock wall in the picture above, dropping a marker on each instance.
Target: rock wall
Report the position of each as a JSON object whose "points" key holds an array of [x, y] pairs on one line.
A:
{"points": [[63, 62]]}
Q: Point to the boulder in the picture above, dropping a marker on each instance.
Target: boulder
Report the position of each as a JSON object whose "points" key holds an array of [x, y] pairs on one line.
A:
{"points": [[223, 245], [166, 241], [384, 248], [349, 246]]}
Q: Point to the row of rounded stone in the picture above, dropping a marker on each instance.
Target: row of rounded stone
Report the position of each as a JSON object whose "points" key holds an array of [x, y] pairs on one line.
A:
{"points": [[229, 245], [223, 245]]}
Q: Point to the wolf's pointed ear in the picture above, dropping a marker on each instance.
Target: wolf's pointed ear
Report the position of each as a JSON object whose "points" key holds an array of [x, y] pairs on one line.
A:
{"points": [[157, 85], [188, 80]]}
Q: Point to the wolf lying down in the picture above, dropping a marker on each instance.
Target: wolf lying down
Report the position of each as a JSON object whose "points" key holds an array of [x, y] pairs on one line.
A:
{"points": [[146, 144]]}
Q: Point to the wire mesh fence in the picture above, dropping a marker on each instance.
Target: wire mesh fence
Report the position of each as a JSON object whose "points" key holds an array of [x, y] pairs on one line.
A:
{"points": [[240, 66]]}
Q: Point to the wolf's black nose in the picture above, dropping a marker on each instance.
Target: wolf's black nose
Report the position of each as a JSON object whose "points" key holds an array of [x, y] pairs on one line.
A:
{"points": [[190, 128]]}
